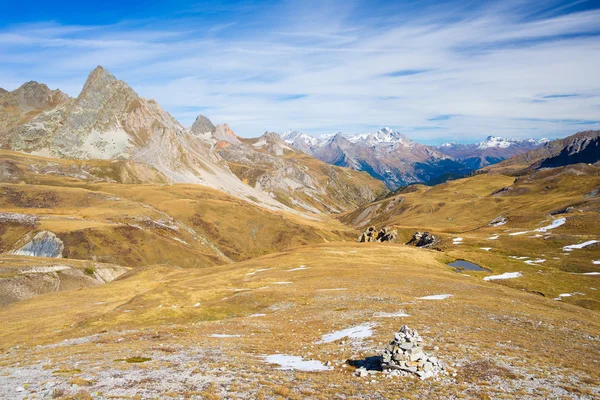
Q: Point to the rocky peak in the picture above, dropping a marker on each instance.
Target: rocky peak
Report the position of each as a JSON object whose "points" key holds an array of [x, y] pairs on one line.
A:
{"points": [[202, 125], [36, 96]]}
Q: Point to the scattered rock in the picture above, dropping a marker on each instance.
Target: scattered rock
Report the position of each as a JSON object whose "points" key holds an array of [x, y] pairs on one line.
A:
{"points": [[23, 219], [404, 355], [423, 239]]}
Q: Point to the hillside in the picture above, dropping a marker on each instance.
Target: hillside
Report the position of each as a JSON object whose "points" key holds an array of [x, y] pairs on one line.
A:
{"points": [[296, 179], [506, 225], [98, 212], [582, 147]]}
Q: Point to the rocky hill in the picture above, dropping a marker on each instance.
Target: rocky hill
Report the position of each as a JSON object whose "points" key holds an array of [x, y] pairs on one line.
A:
{"points": [[294, 178]]}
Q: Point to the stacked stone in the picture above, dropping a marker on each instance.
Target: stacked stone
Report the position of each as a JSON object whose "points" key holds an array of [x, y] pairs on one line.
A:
{"points": [[405, 355]]}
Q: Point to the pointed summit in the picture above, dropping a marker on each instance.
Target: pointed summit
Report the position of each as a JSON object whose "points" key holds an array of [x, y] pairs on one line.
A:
{"points": [[202, 125]]}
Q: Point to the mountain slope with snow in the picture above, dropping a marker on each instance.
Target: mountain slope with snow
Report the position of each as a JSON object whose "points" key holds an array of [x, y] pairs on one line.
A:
{"points": [[395, 159]]}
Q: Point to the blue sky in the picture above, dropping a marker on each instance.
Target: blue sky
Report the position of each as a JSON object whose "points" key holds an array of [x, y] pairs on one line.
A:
{"points": [[434, 70]]}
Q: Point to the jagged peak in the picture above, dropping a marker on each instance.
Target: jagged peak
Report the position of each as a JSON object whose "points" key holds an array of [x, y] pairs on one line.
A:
{"points": [[203, 125], [99, 76]]}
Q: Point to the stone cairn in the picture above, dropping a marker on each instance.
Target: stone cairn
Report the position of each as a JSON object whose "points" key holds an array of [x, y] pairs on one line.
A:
{"points": [[384, 235], [404, 356]]}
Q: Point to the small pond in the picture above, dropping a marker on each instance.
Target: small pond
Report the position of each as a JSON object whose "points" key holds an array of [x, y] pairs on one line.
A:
{"points": [[461, 265]]}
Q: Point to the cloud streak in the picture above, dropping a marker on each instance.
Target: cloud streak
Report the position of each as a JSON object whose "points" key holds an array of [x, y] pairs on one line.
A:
{"points": [[444, 71]]}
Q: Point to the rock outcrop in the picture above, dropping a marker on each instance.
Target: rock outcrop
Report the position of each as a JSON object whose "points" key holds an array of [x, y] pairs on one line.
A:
{"points": [[44, 244], [386, 234], [423, 239]]}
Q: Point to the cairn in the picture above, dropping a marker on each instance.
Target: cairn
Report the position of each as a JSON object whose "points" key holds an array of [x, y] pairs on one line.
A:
{"points": [[404, 356], [384, 235]]}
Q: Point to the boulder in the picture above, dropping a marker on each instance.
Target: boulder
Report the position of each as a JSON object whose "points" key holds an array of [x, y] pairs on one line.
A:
{"points": [[372, 235], [422, 239]]}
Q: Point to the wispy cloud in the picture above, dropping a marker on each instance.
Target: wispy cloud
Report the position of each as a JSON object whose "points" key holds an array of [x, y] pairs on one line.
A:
{"points": [[434, 70]]}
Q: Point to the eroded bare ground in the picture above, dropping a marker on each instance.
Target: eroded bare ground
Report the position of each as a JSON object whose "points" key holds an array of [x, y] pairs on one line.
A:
{"points": [[167, 332]]}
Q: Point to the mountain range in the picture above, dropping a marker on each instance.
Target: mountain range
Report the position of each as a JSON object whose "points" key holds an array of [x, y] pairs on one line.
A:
{"points": [[397, 160], [108, 120], [291, 171]]}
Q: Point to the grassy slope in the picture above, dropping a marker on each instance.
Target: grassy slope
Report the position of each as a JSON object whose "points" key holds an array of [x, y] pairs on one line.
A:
{"points": [[463, 208], [141, 224], [167, 314]]}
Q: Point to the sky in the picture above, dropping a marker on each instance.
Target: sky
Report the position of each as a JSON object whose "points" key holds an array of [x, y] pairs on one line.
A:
{"points": [[433, 70]]}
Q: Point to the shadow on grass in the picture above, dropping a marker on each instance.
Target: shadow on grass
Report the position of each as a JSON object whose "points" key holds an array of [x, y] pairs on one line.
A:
{"points": [[372, 363]]}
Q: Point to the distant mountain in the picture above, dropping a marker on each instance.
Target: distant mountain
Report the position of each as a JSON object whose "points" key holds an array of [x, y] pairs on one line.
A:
{"points": [[491, 151], [395, 159], [582, 147]]}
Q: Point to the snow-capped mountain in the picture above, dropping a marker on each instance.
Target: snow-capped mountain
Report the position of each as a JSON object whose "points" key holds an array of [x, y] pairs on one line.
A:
{"points": [[490, 151], [503, 143], [397, 160]]}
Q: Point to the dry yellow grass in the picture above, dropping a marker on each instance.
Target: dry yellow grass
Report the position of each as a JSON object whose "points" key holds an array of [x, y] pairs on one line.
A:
{"points": [[342, 285], [464, 208]]}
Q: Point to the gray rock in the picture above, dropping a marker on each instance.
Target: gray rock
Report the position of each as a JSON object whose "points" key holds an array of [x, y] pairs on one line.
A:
{"points": [[44, 244]]}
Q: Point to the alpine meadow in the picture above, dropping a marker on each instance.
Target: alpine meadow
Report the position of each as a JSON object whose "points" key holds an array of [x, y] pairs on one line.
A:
{"points": [[289, 199]]}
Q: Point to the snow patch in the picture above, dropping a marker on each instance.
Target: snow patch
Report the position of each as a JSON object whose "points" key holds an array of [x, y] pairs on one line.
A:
{"points": [[391, 315], [580, 245], [287, 362], [506, 275], [223, 335], [535, 262], [436, 297], [555, 224], [485, 248], [355, 332]]}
